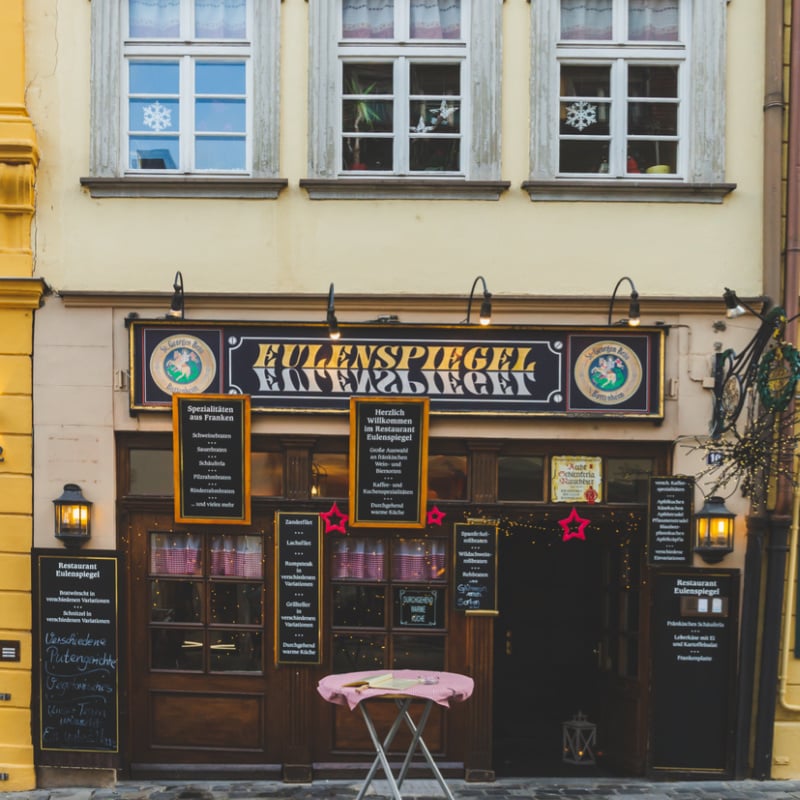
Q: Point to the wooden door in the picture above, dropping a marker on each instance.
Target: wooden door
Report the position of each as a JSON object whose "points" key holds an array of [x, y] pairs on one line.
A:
{"points": [[552, 637], [199, 634]]}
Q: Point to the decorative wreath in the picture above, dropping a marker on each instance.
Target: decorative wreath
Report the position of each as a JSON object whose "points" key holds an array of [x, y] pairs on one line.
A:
{"points": [[778, 373]]}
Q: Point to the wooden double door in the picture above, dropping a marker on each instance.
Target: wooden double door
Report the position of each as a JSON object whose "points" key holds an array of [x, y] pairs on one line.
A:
{"points": [[202, 691]]}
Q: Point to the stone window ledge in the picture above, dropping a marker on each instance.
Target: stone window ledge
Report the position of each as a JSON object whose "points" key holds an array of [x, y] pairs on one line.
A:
{"points": [[157, 186], [401, 189], [626, 191]]}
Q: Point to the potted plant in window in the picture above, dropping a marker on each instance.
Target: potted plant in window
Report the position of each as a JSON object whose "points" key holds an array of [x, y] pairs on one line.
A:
{"points": [[364, 114]]}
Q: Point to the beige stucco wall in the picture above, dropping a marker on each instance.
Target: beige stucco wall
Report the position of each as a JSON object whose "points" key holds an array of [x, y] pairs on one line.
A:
{"points": [[294, 244]]}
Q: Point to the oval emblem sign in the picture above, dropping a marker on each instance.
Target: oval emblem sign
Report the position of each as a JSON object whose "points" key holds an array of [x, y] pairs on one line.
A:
{"points": [[183, 364], [608, 372]]}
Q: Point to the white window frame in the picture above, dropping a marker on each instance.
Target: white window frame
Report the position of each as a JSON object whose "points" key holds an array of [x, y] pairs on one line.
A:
{"points": [[480, 115], [701, 120], [109, 176]]}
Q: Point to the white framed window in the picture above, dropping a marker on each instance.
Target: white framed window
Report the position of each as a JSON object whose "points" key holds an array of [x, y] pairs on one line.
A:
{"points": [[628, 100], [405, 98], [177, 109]]}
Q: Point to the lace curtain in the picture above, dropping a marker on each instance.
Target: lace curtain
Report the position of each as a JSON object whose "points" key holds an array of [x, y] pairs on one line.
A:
{"points": [[214, 19], [648, 20], [374, 19]]}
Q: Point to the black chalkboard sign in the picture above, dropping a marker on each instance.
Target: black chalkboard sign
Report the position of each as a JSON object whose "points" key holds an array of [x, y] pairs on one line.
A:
{"points": [[694, 628], [419, 607], [475, 566], [78, 653], [297, 584], [388, 462], [211, 453], [670, 520]]}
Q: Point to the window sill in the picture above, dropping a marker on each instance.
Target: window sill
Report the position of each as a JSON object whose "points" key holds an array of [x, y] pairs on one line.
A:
{"points": [[173, 186], [627, 191], [401, 189]]}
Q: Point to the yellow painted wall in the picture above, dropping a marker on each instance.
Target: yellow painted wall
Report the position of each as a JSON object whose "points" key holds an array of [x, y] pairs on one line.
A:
{"points": [[20, 295]]}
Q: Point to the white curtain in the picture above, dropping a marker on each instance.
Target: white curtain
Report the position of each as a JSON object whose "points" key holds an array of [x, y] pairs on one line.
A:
{"points": [[435, 19], [154, 19], [220, 19], [653, 20], [586, 19], [367, 19]]}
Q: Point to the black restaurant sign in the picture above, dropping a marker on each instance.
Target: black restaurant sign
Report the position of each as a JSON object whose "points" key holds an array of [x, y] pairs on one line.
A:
{"points": [[78, 653], [502, 369], [388, 462], [475, 566], [211, 452], [297, 584]]}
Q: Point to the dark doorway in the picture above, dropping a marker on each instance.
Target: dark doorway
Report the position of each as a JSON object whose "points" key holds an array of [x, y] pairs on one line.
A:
{"points": [[568, 617]]}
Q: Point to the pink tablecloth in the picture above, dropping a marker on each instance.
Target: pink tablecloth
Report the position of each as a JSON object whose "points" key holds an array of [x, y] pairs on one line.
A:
{"points": [[449, 687]]}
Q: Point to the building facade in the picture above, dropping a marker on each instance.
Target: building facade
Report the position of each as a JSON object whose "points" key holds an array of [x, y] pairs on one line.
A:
{"points": [[216, 199]]}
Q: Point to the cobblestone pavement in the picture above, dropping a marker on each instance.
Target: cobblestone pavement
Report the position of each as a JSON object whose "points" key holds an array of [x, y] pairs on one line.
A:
{"points": [[537, 789]]}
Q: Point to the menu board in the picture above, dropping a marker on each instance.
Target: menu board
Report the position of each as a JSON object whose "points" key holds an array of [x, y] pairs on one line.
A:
{"points": [[475, 566], [388, 462], [211, 451], [670, 520], [297, 584], [694, 667], [78, 653]]}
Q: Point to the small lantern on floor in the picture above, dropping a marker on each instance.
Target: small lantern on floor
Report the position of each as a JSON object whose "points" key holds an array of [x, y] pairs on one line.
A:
{"points": [[579, 737], [713, 530], [72, 516]]}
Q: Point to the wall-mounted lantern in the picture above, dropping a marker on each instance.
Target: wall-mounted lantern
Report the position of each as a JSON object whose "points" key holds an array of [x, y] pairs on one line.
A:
{"points": [[713, 530], [73, 516]]}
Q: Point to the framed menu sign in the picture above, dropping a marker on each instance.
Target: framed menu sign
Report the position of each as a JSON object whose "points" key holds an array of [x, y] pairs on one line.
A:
{"points": [[211, 458], [670, 520], [476, 566], [297, 584], [388, 461], [78, 652]]}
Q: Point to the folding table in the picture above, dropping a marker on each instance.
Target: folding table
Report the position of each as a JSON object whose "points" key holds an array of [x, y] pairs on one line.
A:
{"points": [[352, 689]]}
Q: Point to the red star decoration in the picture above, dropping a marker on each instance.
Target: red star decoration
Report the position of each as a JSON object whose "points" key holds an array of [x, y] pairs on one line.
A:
{"points": [[435, 516], [574, 519], [335, 521]]}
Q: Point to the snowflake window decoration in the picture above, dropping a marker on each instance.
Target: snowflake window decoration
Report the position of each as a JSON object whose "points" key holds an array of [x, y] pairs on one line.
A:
{"points": [[157, 117], [581, 114]]}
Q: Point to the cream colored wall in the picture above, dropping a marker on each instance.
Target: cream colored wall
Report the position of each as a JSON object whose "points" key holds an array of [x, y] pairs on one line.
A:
{"points": [[294, 244]]}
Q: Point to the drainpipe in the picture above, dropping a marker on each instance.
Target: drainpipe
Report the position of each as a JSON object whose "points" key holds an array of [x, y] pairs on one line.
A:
{"points": [[784, 513]]}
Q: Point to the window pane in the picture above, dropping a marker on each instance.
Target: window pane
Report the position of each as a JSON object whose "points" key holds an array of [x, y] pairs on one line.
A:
{"points": [[153, 115], [586, 19], [588, 156], [154, 19], [627, 479], [359, 606], [154, 153], [418, 652], [329, 475], [435, 116], [176, 649], [151, 472], [235, 603], [220, 77], [419, 560], [266, 474], [220, 19], [176, 601], [436, 19], [236, 556], [154, 77], [653, 20], [368, 20], [235, 652], [367, 154], [220, 152], [447, 477], [358, 558], [520, 478], [175, 554], [351, 653]]}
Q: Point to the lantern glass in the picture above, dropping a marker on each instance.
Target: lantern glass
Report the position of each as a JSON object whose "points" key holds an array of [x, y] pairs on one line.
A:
{"points": [[72, 514], [714, 530]]}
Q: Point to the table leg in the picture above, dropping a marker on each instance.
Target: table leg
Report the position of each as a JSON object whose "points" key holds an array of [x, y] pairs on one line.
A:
{"points": [[380, 748], [418, 741]]}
